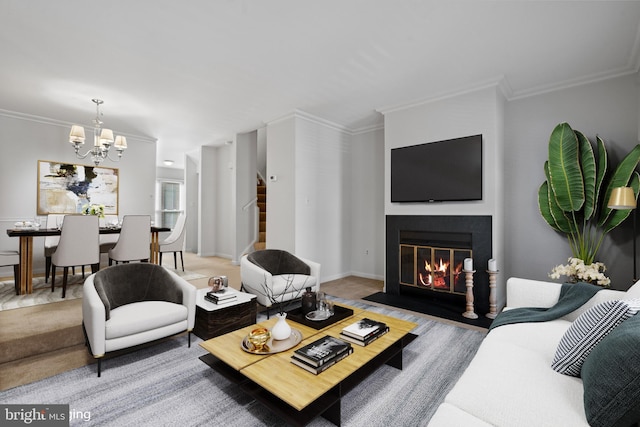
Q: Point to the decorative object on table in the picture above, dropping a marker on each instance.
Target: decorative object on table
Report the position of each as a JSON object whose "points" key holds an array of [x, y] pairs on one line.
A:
{"points": [[308, 301], [64, 188], [364, 331], [318, 315], [281, 330], [102, 139], [217, 283], [468, 275], [578, 271], [492, 271], [274, 346], [573, 199], [258, 339], [276, 276], [321, 354], [624, 198], [340, 313], [97, 210], [222, 296]]}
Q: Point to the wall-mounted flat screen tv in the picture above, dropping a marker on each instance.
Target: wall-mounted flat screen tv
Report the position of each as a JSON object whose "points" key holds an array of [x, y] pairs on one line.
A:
{"points": [[442, 171]]}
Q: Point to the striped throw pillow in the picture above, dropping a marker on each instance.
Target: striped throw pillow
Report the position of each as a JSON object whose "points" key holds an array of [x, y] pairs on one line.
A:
{"points": [[587, 331]]}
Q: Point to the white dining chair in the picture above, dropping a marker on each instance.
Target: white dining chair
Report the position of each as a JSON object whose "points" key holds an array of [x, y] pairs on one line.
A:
{"points": [[51, 242], [108, 241], [12, 258], [175, 241], [79, 245], [134, 243]]}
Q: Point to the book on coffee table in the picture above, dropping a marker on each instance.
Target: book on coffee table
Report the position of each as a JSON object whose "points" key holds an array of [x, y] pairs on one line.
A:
{"points": [[369, 340], [321, 351], [363, 329], [318, 369]]}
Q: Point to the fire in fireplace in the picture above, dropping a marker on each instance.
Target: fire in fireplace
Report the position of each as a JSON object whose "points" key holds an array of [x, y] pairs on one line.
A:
{"points": [[434, 268]]}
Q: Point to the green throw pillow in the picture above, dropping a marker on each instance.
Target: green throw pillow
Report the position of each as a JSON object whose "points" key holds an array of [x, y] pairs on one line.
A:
{"points": [[611, 378]]}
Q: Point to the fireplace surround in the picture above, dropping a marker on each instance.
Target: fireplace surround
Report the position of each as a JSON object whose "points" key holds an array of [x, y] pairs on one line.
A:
{"points": [[420, 235]]}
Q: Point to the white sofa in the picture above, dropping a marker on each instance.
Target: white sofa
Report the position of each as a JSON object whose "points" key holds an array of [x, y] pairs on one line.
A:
{"points": [[130, 304], [510, 381]]}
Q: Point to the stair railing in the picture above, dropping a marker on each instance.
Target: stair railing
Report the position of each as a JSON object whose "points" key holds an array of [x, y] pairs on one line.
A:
{"points": [[256, 223]]}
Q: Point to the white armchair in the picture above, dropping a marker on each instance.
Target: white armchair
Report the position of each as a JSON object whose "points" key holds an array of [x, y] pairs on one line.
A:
{"points": [[130, 304], [275, 275]]}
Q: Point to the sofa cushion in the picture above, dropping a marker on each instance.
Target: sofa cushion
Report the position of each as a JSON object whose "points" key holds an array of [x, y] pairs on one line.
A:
{"points": [[611, 378], [128, 283], [587, 331], [277, 262], [143, 316]]}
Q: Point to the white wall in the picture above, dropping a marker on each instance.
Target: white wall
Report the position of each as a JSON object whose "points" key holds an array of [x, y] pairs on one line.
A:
{"points": [[245, 190], [609, 109], [366, 180], [208, 202], [478, 112], [25, 139]]}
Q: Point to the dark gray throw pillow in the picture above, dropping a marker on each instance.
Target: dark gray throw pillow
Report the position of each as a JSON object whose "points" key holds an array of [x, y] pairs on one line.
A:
{"points": [[611, 378]]}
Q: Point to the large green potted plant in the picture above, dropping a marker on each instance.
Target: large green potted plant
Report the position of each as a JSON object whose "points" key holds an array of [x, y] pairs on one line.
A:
{"points": [[573, 199]]}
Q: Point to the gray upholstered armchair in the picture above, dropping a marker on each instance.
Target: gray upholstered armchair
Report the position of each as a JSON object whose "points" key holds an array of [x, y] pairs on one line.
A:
{"points": [[275, 275], [130, 304]]}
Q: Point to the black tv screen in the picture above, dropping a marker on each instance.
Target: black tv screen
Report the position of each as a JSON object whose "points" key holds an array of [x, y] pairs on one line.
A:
{"points": [[440, 171]]}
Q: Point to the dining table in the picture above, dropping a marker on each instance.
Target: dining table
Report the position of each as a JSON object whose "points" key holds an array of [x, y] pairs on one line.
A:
{"points": [[26, 235]]}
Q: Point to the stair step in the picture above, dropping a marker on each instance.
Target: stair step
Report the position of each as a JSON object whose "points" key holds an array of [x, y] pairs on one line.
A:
{"points": [[263, 227], [263, 216], [262, 236], [259, 246], [262, 198]]}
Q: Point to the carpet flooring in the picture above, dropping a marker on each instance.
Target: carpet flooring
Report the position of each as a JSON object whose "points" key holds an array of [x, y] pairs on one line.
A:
{"points": [[42, 291], [166, 385]]}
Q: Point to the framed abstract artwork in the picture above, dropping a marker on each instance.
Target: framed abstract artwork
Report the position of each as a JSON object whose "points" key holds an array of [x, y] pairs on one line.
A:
{"points": [[66, 188]]}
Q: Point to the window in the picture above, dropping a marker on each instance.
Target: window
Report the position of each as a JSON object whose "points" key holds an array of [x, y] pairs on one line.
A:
{"points": [[169, 203]]}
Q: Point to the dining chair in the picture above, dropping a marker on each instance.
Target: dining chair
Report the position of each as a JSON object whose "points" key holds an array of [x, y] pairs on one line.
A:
{"points": [[134, 243], [8, 258], [51, 242], [175, 241], [108, 241], [79, 245]]}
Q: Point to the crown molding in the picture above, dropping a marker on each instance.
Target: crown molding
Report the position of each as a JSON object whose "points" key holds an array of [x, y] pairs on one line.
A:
{"points": [[60, 123]]}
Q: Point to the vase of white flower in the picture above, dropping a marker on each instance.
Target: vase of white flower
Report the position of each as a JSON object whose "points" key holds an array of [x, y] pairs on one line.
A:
{"points": [[578, 271]]}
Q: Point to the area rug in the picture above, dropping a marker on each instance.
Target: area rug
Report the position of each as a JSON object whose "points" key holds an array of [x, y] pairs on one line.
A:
{"points": [[167, 384], [42, 291]]}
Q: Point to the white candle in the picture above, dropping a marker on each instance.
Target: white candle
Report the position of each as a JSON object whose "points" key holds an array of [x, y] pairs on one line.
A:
{"points": [[468, 264], [492, 265]]}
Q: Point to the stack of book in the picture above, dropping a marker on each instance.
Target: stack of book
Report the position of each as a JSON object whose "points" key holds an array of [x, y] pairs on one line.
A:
{"points": [[220, 297], [364, 331], [321, 354]]}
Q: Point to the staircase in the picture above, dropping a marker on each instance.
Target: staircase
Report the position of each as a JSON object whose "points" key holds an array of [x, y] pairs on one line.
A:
{"points": [[262, 204]]}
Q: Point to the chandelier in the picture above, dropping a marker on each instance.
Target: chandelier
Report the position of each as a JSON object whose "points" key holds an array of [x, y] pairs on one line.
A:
{"points": [[102, 140]]}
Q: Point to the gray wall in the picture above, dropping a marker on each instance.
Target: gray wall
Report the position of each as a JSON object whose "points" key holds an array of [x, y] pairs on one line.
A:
{"points": [[609, 109]]}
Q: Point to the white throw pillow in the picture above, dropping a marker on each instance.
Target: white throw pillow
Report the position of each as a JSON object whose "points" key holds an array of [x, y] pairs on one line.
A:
{"points": [[587, 331]]}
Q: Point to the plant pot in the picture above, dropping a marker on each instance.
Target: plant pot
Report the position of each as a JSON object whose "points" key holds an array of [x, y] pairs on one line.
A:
{"points": [[281, 330]]}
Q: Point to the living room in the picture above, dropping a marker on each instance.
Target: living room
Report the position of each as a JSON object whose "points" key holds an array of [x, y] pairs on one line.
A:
{"points": [[331, 192]]}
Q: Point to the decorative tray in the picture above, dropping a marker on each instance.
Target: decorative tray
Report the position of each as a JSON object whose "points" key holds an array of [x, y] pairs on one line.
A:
{"points": [[274, 346], [339, 313], [318, 315]]}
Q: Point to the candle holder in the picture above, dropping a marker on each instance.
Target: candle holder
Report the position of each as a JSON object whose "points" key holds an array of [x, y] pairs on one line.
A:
{"points": [[468, 276], [493, 312]]}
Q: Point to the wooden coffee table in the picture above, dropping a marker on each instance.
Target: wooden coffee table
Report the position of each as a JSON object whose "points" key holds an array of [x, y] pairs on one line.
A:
{"points": [[291, 392]]}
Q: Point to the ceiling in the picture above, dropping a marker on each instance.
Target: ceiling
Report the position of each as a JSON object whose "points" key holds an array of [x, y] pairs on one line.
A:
{"points": [[198, 72]]}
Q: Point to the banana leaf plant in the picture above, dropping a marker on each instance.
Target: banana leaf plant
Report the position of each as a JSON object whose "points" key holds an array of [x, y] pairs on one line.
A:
{"points": [[573, 199]]}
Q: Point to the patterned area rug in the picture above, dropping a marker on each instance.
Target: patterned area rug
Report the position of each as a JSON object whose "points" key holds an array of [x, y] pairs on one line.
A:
{"points": [[166, 384], [42, 291]]}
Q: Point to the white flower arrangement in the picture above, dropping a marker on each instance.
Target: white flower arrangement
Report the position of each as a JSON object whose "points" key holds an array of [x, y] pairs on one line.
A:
{"points": [[578, 271], [93, 210]]}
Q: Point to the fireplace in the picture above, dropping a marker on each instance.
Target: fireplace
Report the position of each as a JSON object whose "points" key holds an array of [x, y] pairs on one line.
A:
{"points": [[425, 256]]}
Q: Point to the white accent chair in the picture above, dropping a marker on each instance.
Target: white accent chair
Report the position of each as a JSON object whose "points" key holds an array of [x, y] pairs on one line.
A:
{"points": [[134, 243], [175, 241], [130, 304], [12, 258], [277, 276], [79, 245]]}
